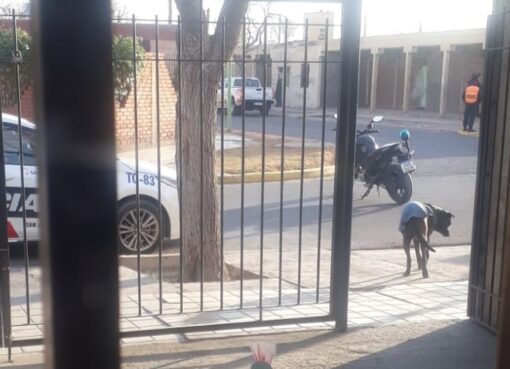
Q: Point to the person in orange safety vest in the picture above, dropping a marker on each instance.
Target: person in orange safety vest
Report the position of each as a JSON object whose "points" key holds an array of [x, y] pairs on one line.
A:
{"points": [[471, 98]]}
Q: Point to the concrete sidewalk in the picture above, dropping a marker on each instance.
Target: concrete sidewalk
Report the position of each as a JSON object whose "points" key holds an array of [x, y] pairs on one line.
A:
{"points": [[431, 345], [379, 295]]}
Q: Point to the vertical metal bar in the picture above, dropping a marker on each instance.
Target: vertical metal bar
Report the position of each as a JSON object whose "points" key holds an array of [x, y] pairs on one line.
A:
{"points": [[282, 161], [263, 176], [497, 267], [503, 317], [480, 188], [222, 256], [179, 124], [160, 210], [301, 184], [500, 192], [503, 355], [490, 105], [321, 181], [486, 154], [201, 63], [500, 317], [243, 154], [5, 284], [137, 185], [345, 141], [487, 245], [76, 143], [22, 170], [229, 93]]}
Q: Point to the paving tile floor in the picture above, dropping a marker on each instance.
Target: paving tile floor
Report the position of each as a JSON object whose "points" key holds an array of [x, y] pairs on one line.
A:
{"points": [[378, 296], [410, 303]]}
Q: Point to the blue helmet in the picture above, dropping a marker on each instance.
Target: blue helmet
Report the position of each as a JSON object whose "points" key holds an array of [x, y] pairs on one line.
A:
{"points": [[405, 135]]}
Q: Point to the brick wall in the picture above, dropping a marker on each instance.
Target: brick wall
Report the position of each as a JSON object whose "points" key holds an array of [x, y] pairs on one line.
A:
{"points": [[146, 91], [27, 106], [125, 116]]}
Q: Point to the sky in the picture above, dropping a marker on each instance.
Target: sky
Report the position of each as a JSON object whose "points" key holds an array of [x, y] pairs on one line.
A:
{"points": [[382, 16]]}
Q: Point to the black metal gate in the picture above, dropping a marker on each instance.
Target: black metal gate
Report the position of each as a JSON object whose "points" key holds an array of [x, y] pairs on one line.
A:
{"points": [[490, 230], [263, 294]]}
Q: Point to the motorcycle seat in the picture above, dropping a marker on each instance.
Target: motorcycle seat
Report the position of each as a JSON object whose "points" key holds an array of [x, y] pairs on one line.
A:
{"points": [[384, 148]]}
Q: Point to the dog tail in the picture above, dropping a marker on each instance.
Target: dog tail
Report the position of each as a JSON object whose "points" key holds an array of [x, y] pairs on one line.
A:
{"points": [[424, 242]]}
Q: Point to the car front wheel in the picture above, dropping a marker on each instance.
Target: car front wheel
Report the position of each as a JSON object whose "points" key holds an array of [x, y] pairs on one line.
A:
{"points": [[127, 227]]}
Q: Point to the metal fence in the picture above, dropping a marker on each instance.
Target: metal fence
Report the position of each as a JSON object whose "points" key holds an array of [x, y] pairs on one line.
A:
{"points": [[274, 234], [490, 230]]}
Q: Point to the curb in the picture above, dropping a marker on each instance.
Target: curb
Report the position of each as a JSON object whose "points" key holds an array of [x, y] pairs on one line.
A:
{"points": [[411, 122], [276, 176], [468, 134]]}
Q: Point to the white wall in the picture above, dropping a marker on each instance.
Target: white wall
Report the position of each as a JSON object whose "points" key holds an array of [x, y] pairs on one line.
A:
{"points": [[296, 52]]}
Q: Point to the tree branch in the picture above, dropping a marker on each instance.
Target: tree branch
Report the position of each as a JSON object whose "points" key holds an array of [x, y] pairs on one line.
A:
{"points": [[253, 40], [192, 16], [233, 11]]}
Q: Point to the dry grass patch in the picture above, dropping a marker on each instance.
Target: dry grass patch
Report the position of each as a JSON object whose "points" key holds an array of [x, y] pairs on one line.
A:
{"points": [[292, 160]]}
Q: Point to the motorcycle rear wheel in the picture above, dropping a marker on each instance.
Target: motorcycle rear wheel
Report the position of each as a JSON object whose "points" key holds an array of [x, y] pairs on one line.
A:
{"points": [[402, 191]]}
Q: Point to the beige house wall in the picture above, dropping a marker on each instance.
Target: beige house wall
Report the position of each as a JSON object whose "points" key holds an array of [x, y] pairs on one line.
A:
{"points": [[463, 50]]}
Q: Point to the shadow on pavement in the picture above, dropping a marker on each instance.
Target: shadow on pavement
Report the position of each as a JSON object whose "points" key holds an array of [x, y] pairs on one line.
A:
{"points": [[457, 345], [463, 345]]}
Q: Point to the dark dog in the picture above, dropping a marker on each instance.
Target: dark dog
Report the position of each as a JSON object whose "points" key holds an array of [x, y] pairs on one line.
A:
{"points": [[417, 223]]}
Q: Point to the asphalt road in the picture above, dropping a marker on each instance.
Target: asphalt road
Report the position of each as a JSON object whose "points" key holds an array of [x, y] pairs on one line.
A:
{"points": [[445, 176]]}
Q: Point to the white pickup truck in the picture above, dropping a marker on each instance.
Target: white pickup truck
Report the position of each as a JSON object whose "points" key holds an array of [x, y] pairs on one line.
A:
{"points": [[254, 95]]}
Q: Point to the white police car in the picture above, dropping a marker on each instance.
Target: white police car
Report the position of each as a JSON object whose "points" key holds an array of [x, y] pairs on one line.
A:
{"points": [[151, 228]]}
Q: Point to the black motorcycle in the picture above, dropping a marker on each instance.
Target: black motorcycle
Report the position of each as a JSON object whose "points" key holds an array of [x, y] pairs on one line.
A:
{"points": [[389, 166]]}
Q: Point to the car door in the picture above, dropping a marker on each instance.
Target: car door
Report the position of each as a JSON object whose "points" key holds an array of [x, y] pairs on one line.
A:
{"points": [[14, 183]]}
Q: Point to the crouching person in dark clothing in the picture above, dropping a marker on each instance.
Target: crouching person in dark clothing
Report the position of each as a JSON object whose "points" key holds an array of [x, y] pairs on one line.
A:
{"points": [[471, 98]]}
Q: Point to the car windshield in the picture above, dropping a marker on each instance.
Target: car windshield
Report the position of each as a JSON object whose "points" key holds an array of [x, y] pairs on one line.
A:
{"points": [[250, 82], [11, 145]]}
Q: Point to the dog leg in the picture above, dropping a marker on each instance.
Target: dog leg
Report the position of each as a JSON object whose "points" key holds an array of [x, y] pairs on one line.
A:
{"points": [[428, 243], [367, 191], [417, 250], [407, 246], [424, 270]]}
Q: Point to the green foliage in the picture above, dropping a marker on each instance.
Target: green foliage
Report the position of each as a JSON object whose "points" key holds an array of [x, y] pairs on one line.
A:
{"points": [[124, 65], [8, 79]]}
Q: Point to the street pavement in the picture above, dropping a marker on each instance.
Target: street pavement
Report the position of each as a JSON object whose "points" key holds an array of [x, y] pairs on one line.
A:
{"points": [[445, 176]]}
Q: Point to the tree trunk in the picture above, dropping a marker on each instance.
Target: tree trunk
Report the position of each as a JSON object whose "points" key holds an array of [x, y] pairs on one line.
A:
{"points": [[200, 221], [196, 111]]}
